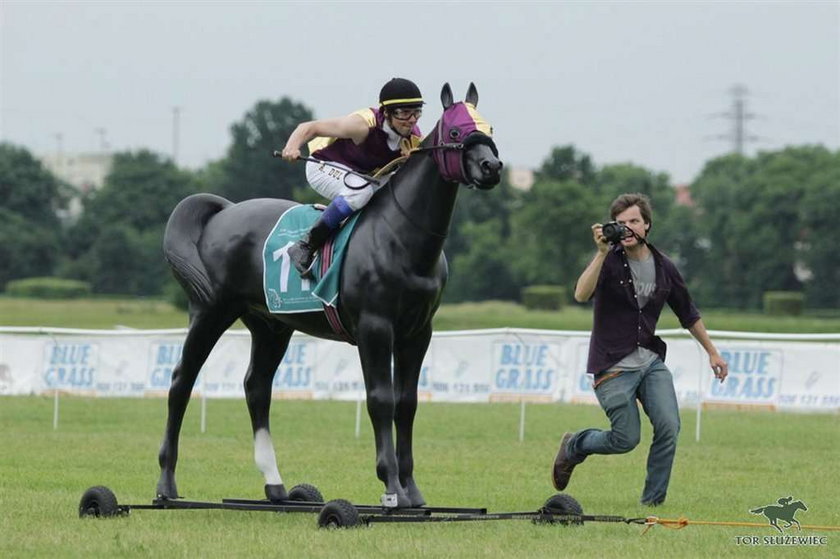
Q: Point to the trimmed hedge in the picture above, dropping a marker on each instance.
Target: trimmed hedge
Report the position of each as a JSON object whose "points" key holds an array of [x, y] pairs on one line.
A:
{"points": [[544, 297], [48, 288], [788, 303], [175, 294]]}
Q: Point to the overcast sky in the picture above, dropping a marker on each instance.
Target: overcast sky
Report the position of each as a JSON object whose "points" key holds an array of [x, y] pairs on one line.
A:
{"points": [[622, 81]]}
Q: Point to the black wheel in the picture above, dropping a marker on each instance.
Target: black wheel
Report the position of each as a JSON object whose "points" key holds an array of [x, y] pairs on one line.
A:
{"points": [[562, 504], [98, 501], [338, 514], [306, 493]]}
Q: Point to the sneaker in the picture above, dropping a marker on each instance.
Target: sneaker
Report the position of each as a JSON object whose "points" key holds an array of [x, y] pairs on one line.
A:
{"points": [[563, 464]]}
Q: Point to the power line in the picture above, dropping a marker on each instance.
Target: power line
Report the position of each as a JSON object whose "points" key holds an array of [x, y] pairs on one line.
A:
{"points": [[176, 114], [103, 143], [739, 115]]}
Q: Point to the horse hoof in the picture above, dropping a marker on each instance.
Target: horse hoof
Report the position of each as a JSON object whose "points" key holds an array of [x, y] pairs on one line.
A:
{"points": [[276, 493], [416, 498], [167, 491]]}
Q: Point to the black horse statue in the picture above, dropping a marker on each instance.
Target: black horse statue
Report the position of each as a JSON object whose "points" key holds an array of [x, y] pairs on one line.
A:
{"points": [[392, 278]]}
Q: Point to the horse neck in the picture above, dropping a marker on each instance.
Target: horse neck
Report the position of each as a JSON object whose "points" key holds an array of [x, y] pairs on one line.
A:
{"points": [[428, 201]]}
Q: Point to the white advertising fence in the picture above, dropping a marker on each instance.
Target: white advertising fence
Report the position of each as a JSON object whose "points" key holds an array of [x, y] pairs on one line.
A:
{"points": [[784, 372]]}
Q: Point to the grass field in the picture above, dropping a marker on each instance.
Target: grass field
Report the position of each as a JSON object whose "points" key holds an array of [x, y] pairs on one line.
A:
{"points": [[466, 455], [152, 313]]}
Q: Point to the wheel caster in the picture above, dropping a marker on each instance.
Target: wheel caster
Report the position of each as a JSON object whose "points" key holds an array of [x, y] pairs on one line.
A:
{"points": [[306, 493], [98, 501], [562, 504], [339, 513]]}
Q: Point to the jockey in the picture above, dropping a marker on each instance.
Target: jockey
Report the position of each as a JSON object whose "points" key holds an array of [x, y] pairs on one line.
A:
{"points": [[363, 141]]}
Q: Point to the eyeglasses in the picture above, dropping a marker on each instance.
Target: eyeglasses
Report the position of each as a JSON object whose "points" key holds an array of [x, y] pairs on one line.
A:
{"points": [[405, 114]]}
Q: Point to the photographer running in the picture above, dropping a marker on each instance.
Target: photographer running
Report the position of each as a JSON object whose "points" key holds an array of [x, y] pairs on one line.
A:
{"points": [[631, 281]]}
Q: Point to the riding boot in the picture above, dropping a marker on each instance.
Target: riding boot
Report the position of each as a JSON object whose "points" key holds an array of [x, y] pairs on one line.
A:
{"points": [[302, 252]]}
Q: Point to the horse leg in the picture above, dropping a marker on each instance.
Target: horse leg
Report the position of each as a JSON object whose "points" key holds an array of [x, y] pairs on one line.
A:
{"points": [[408, 360], [206, 327], [375, 339], [268, 345]]}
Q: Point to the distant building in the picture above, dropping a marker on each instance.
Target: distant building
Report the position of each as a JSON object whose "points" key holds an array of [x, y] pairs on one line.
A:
{"points": [[521, 178], [84, 171], [682, 195]]}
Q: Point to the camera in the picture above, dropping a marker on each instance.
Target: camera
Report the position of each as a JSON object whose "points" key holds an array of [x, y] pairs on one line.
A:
{"points": [[614, 232]]}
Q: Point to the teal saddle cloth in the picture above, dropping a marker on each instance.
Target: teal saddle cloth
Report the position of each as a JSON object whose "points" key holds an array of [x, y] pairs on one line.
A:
{"points": [[285, 291]]}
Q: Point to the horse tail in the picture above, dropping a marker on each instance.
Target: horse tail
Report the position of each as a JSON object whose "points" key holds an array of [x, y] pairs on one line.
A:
{"points": [[180, 243], [758, 510]]}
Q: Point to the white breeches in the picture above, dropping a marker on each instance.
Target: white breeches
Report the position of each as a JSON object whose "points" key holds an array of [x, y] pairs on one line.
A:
{"points": [[334, 180]]}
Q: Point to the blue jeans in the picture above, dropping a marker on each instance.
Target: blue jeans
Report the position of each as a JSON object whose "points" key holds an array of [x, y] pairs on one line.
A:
{"points": [[654, 388]]}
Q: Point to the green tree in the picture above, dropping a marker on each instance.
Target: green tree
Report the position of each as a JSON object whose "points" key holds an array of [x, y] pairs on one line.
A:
{"points": [[565, 163], [116, 244], [482, 271], [818, 216], [141, 190], [249, 170], [751, 214], [27, 188], [27, 248], [714, 192], [614, 180], [473, 209], [550, 240], [30, 230]]}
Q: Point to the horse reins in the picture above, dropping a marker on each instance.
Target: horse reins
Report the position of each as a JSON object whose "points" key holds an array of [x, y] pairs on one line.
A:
{"points": [[402, 159]]}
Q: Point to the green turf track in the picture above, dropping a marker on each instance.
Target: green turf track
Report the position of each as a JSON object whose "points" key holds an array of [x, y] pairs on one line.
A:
{"points": [[466, 455]]}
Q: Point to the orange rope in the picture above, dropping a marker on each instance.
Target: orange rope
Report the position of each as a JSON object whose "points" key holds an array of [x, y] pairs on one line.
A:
{"points": [[682, 522]]}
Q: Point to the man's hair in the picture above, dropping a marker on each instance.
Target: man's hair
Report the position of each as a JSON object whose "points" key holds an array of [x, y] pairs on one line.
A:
{"points": [[632, 199]]}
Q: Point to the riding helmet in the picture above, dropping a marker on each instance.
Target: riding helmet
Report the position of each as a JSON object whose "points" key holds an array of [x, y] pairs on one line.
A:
{"points": [[400, 92]]}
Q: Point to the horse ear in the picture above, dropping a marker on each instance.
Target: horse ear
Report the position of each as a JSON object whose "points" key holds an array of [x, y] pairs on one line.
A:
{"points": [[446, 96], [472, 95]]}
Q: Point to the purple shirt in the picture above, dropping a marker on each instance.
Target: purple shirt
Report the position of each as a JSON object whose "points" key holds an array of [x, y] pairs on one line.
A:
{"points": [[619, 325], [374, 152]]}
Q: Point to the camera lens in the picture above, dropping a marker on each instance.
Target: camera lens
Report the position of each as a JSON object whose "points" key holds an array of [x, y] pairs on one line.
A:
{"points": [[614, 231]]}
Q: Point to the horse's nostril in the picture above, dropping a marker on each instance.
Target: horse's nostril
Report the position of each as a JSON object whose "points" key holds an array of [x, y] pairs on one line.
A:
{"points": [[488, 166]]}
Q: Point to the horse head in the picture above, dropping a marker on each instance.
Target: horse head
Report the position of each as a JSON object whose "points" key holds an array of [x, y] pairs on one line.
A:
{"points": [[462, 143]]}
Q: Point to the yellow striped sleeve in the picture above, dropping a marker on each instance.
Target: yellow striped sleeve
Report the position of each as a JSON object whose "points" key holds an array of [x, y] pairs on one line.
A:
{"points": [[320, 142], [367, 115]]}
